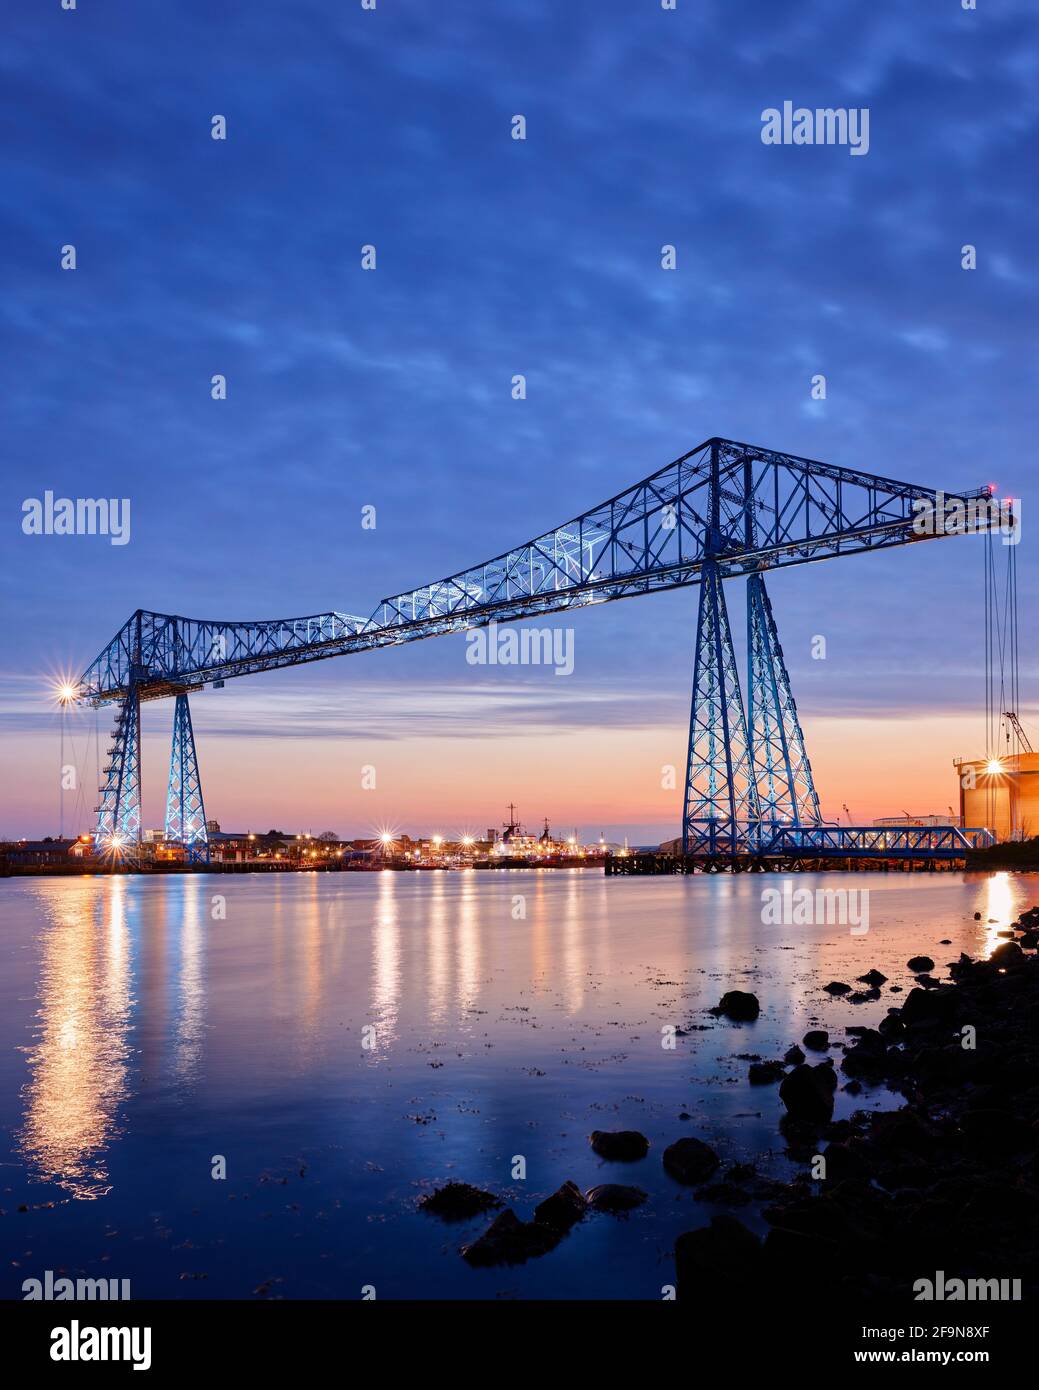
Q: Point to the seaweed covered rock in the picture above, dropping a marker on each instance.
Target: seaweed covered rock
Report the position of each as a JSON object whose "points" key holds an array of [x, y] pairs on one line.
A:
{"points": [[614, 1197], [738, 1005], [807, 1092], [458, 1201], [920, 963], [690, 1161], [510, 1241], [565, 1207], [619, 1145], [722, 1260], [765, 1073]]}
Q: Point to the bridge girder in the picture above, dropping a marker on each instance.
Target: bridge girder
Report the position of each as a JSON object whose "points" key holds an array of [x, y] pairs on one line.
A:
{"points": [[742, 507]]}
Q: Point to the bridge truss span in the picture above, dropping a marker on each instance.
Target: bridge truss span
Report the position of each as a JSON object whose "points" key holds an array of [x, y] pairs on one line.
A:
{"points": [[723, 510]]}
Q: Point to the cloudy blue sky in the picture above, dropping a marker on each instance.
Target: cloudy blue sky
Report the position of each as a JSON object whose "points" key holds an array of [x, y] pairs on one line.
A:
{"points": [[392, 388]]}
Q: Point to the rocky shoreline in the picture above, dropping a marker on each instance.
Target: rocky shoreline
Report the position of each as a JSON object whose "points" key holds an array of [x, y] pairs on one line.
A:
{"points": [[948, 1183]]}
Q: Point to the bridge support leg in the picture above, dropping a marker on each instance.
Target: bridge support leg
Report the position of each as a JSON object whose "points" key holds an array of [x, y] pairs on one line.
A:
{"points": [[721, 804], [118, 830], [185, 813], [782, 773]]}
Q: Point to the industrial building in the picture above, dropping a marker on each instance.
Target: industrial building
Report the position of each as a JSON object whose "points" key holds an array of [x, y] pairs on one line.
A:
{"points": [[1001, 793]]}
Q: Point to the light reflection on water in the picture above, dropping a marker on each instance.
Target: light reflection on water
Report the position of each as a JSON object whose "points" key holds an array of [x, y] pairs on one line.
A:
{"points": [[78, 1063], [999, 910], [513, 1012], [190, 1012]]}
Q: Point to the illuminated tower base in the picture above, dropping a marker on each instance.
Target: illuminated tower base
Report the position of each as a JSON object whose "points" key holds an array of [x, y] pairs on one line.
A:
{"points": [[118, 830]]}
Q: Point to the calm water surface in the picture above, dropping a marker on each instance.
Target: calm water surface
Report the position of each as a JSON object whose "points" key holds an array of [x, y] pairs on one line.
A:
{"points": [[141, 1035]]}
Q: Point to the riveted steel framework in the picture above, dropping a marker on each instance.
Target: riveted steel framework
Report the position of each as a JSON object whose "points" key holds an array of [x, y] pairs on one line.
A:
{"points": [[119, 811], [782, 772], [721, 803], [875, 842], [185, 812], [723, 510]]}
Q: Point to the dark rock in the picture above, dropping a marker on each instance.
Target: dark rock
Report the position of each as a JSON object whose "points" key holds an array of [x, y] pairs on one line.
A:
{"points": [[690, 1161], [563, 1209], [458, 1201], [614, 1197], [765, 1073], [793, 1055], [945, 941], [621, 1145], [510, 1241], [721, 1260], [1009, 954], [740, 1172], [822, 1216], [920, 963], [872, 977], [996, 1134], [967, 971], [802, 1137], [939, 1006], [771, 1190], [867, 1057], [902, 1131], [913, 1173], [816, 1040], [737, 1005], [845, 1161], [791, 1257], [994, 1207], [977, 916], [837, 987], [807, 1092]]}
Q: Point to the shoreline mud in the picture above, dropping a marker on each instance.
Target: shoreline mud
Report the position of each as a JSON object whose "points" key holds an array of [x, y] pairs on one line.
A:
{"points": [[940, 1194]]}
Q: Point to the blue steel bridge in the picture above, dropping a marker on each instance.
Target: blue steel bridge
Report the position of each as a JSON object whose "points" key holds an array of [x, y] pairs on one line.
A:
{"points": [[723, 511]]}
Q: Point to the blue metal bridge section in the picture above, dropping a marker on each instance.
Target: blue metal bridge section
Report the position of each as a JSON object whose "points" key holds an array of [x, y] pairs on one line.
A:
{"points": [[822, 842], [724, 510]]}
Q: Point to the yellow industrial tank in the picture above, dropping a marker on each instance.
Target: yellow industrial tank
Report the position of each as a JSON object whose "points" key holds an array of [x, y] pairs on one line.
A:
{"points": [[1001, 794]]}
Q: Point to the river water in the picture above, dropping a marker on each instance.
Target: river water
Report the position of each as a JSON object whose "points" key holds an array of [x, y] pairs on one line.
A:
{"points": [[343, 1042]]}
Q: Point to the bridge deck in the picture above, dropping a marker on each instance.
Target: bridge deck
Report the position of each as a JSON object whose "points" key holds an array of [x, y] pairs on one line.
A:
{"points": [[791, 846]]}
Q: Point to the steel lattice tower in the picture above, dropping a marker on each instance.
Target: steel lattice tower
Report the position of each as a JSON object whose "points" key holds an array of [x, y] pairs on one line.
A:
{"points": [[185, 813], [782, 772], [119, 814], [721, 804]]}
